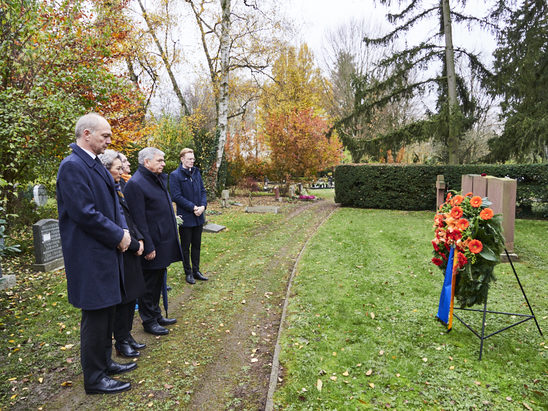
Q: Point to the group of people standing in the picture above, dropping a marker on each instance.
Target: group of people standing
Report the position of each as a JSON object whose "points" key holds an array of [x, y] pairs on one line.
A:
{"points": [[119, 235]]}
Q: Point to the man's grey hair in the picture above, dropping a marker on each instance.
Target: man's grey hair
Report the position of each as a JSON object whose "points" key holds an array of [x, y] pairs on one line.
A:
{"points": [[149, 153], [87, 122], [108, 157]]}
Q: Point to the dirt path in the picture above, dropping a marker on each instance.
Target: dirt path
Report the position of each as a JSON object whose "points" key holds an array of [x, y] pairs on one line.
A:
{"points": [[250, 391], [219, 355]]}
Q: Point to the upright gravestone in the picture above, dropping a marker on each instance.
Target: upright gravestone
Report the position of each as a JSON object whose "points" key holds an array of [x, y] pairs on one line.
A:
{"points": [[40, 195], [47, 245], [502, 194], [440, 191], [225, 195]]}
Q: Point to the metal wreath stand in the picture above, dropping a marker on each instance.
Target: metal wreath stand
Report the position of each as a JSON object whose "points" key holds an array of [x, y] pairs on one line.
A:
{"points": [[525, 317]]}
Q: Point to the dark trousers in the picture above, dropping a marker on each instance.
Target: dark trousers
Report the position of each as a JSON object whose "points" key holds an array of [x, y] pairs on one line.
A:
{"points": [[191, 238], [96, 343], [149, 302], [123, 320]]}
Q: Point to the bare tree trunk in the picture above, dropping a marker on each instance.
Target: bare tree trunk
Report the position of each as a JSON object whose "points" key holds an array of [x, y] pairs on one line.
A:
{"points": [[167, 64], [452, 141], [222, 120]]}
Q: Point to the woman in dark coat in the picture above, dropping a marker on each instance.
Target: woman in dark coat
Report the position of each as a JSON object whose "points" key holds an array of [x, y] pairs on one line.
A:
{"points": [[134, 285]]}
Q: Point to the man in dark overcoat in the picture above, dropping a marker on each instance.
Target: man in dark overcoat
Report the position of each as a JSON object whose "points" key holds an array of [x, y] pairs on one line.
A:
{"points": [[93, 237], [188, 192], [150, 206]]}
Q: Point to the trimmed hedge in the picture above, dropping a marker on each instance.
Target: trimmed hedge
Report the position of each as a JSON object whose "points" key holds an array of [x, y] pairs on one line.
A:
{"points": [[413, 187]]}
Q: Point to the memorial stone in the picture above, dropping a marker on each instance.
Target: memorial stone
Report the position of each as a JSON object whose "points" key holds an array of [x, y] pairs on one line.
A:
{"points": [[40, 195], [262, 209], [225, 195], [47, 245], [440, 191]]}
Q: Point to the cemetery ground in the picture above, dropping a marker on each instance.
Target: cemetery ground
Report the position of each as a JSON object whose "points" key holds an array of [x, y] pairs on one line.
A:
{"points": [[360, 331]]}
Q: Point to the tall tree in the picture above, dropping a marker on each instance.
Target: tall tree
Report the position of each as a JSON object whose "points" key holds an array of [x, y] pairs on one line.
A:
{"points": [[399, 84], [235, 36], [54, 66], [521, 78]]}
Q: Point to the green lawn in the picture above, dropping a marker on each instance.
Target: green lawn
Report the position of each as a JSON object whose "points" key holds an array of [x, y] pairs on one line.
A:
{"points": [[361, 330]]}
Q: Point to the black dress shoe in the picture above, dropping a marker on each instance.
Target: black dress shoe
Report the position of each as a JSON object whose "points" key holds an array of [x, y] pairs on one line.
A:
{"points": [[125, 349], [190, 279], [156, 329], [117, 368], [199, 276], [134, 344], [166, 321], [107, 385]]}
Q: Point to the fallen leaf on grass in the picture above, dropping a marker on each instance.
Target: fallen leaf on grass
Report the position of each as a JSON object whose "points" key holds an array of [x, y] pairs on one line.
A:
{"points": [[425, 359], [333, 378], [66, 384], [346, 373], [527, 406], [40, 380], [372, 385], [369, 372], [319, 384], [509, 399], [372, 316], [254, 359], [168, 386], [477, 382], [381, 352]]}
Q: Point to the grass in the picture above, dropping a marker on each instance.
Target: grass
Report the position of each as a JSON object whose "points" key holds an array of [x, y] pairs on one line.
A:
{"points": [[364, 286], [361, 330], [40, 333]]}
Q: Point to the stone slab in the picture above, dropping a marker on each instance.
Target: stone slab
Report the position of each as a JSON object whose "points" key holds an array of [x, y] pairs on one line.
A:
{"points": [[50, 265], [7, 281], [213, 228], [262, 209]]}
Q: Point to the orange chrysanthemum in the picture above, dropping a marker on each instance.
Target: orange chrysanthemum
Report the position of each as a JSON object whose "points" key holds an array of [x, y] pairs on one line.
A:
{"points": [[449, 195], [456, 212], [470, 194], [463, 224], [475, 201], [457, 200], [475, 246], [486, 214]]}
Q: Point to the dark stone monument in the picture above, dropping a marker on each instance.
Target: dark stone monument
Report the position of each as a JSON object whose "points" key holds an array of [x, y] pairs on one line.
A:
{"points": [[47, 245]]}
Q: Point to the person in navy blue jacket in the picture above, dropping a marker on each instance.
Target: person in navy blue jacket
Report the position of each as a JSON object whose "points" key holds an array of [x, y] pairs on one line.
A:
{"points": [[188, 192], [93, 237], [150, 206]]}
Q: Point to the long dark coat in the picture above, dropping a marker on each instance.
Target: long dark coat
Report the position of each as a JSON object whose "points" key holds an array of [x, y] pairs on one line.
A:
{"points": [[91, 227], [187, 190], [133, 272], [150, 206]]}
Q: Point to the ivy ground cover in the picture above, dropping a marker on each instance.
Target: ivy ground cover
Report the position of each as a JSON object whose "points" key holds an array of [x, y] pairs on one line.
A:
{"points": [[361, 330]]}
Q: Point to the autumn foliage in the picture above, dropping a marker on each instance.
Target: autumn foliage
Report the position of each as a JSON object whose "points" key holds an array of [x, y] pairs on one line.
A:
{"points": [[299, 145]]}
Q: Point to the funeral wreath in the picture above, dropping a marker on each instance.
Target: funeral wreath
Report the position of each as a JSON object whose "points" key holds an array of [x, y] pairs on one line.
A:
{"points": [[467, 223]]}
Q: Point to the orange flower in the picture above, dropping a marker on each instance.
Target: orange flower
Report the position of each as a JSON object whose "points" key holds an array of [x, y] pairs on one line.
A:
{"points": [[475, 246], [463, 224], [486, 214], [475, 201], [457, 200], [449, 195], [456, 212], [470, 194]]}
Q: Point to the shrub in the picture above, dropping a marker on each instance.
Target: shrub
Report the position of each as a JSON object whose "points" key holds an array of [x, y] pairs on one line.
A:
{"points": [[412, 187]]}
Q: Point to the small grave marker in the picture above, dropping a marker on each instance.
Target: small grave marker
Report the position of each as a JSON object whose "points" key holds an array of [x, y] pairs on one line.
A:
{"points": [[40, 195], [262, 209], [47, 245]]}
